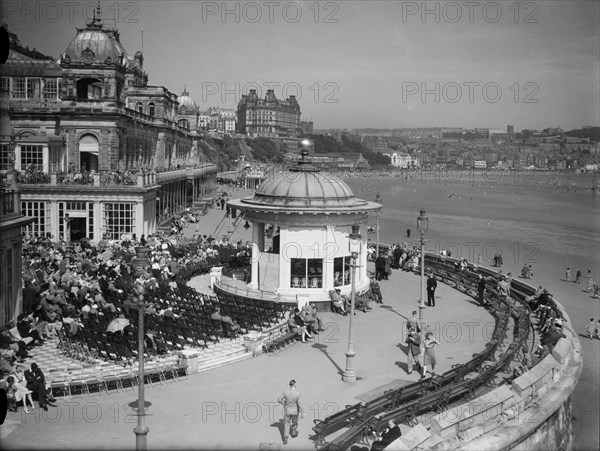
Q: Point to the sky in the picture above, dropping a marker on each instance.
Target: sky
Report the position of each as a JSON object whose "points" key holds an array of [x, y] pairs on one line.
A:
{"points": [[357, 64]]}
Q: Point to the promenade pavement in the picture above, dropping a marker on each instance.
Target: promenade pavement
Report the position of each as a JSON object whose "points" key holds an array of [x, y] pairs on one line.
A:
{"points": [[234, 406]]}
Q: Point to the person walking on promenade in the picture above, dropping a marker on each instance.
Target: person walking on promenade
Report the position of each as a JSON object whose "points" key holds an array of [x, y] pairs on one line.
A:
{"points": [[568, 274], [380, 262], [590, 279], [431, 286], [290, 399], [503, 289], [578, 276], [412, 325], [481, 290], [413, 352], [429, 354]]}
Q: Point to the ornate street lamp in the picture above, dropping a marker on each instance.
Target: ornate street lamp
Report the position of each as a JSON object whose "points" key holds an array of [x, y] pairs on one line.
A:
{"points": [[354, 246], [378, 200], [67, 225], [141, 431], [422, 226]]}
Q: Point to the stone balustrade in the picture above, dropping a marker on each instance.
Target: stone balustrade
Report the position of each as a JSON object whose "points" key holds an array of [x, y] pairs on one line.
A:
{"points": [[532, 413]]}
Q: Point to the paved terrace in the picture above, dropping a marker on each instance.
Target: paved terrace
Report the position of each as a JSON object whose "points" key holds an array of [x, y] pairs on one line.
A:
{"points": [[234, 406]]}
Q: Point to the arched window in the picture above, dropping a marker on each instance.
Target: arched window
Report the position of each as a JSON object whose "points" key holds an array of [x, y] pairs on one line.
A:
{"points": [[139, 107], [151, 109], [88, 153]]}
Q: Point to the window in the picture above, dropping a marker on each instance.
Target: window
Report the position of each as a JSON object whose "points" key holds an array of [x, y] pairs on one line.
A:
{"points": [[341, 271], [139, 107], [19, 88], [6, 157], [41, 212], [8, 202], [50, 90], [306, 273], [33, 88], [32, 157], [151, 109], [119, 218], [5, 84], [55, 159]]}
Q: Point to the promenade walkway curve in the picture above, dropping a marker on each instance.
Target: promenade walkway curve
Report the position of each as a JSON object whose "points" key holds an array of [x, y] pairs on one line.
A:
{"points": [[231, 407]]}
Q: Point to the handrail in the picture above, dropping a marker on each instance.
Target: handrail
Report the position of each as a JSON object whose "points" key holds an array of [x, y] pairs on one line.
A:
{"points": [[431, 402]]}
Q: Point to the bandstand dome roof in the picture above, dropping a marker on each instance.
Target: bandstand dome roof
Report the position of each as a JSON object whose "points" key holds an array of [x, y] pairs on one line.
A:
{"points": [[304, 188]]}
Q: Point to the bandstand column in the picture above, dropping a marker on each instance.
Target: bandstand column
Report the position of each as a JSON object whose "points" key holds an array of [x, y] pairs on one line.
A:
{"points": [[257, 239]]}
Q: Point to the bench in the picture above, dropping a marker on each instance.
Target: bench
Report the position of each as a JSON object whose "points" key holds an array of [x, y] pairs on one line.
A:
{"points": [[335, 422], [281, 341]]}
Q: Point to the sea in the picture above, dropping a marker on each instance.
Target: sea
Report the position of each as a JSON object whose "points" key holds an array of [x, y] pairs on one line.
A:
{"points": [[527, 217], [548, 220]]}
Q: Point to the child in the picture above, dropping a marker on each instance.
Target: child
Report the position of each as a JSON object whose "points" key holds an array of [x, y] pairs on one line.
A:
{"points": [[591, 326], [11, 391]]}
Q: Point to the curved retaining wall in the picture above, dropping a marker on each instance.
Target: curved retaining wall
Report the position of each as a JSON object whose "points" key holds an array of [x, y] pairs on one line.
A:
{"points": [[533, 413]]}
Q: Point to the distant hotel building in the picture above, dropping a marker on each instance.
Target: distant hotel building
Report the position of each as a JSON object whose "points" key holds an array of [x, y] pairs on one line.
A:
{"points": [[268, 117], [98, 152], [402, 160]]}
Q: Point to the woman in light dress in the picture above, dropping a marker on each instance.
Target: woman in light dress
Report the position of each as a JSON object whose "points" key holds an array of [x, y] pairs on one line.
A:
{"points": [[429, 356], [22, 393]]}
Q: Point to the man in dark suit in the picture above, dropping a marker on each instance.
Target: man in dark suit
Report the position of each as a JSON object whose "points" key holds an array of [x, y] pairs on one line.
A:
{"points": [[391, 433], [431, 286], [36, 382], [380, 266], [481, 290]]}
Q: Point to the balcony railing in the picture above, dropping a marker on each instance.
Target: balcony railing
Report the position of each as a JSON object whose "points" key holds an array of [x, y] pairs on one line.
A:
{"points": [[131, 178]]}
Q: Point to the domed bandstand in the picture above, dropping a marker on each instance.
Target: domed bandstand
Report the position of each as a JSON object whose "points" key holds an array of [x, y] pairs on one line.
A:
{"points": [[302, 220]]}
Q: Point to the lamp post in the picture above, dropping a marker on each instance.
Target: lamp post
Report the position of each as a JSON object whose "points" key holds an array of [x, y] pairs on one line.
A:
{"points": [[67, 226], [422, 226], [354, 247], [378, 200], [141, 431]]}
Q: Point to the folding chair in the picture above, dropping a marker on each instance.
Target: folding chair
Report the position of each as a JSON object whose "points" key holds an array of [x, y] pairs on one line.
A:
{"points": [[94, 382], [77, 381], [60, 383], [127, 377], [151, 372]]}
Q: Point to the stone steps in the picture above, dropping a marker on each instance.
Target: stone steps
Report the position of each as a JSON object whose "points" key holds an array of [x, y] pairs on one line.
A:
{"points": [[219, 360]]}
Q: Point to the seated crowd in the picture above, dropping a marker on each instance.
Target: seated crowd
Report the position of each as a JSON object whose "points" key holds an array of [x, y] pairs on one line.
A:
{"points": [[70, 289]]}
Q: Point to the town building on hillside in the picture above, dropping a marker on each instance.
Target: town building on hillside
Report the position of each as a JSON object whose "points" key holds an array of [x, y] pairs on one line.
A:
{"points": [[402, 160], [268, 117], [98, 152]]}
